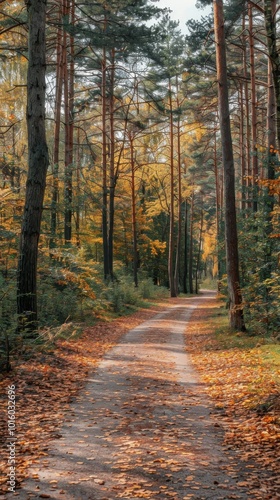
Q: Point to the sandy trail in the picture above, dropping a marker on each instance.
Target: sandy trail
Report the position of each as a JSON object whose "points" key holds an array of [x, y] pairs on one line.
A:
{"points": [[142, 426]]}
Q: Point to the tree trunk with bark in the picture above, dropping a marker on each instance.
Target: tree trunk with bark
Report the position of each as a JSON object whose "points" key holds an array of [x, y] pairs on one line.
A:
{"points": [[113, 179], [274, 55], [57, 125], [133, 206], [231, 240], [179, 233], [185, 274], [199, 251], [37, 168], [104, 166], [69, 122], [190, 266], [172, 203], [254, 154]]}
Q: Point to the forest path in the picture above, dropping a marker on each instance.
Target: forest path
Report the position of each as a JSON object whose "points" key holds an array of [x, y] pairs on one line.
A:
{"points": [[142, 426]]}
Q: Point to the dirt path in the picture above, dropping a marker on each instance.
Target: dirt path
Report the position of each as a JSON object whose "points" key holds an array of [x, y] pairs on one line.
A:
{"points": [[142, 427]]}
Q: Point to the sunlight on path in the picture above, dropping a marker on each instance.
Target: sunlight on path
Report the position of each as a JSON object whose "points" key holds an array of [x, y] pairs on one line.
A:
{"points": [[142, 428]]}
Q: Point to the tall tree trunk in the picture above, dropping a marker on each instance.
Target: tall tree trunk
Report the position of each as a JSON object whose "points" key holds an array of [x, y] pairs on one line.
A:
{"points": [[231, 240], [112, 186], [218, 210], [69, 123], [57, 120], [253, 111], [37, 167], [248, 170], [185, 274], [190, 266], [272, 161], [199, 251], [78, 190], [274, 55], [104, 167], [134, 223], [172, 203], [179, 233], [271, 133], [242, 147]]}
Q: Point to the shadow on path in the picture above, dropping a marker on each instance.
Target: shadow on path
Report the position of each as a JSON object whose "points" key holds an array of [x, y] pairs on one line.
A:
{"points": [[142, 427]]}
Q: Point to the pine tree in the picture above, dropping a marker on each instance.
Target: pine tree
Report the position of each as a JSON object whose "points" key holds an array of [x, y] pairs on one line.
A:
{"points": [[236, 308], [37, 167]]}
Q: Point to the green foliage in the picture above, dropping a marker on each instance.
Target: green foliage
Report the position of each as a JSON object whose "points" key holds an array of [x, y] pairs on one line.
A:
{"points": [[7, 322], [209, 284], [259, 272], [72, 289], [122, 293]]}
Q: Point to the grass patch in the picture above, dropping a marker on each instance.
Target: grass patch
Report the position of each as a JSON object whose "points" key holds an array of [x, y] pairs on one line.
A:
{"points": [[227, 339], [209, 284], [242, 370]]}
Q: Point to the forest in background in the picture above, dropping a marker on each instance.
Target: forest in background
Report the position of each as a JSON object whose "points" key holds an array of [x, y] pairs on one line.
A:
{"points": [[134, 199]]}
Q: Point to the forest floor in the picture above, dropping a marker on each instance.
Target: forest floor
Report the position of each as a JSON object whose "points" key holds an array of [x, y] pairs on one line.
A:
{"points": [[147, 406]]}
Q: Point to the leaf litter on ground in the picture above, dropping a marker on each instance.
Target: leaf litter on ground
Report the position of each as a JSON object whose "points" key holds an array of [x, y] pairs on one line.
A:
{"points": [[245, 388], [238, 381]]}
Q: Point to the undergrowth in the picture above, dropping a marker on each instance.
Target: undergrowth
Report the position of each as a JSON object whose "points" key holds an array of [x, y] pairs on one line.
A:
{"points": [[71, 292]]}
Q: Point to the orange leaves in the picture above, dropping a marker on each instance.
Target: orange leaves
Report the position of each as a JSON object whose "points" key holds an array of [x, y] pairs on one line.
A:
{"points": [[46, 383], [245, 392]]}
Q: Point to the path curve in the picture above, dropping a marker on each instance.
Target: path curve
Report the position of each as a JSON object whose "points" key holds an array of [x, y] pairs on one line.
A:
{"points": [[142, 426]]}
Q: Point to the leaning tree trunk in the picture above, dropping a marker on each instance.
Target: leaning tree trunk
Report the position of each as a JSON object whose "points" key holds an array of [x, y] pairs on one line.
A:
{"points": [[37, 168], [231, 241]]}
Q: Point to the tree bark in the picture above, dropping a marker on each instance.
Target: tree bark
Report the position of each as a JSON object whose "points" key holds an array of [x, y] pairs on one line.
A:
{"points": [[271, 131], [231, 240], [57, 120], [37, 168], [171, 210], [69, 123], [218, 210], [185, 274], [274, 55], [104, 167], [242, 148], [133, 205], [112, 185], [253, 111], [247, 125], [199, 250], [190, 267], [179, 233]]}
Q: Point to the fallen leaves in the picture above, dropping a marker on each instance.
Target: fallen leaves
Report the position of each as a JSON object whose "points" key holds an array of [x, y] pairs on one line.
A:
{"points": [[240, 385], [46, 383]]}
